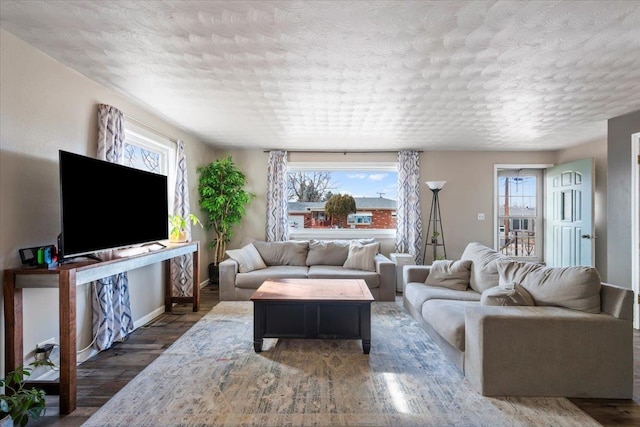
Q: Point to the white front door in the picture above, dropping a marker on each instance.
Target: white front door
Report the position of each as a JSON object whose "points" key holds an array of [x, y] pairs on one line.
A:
{"points": [[569, 227]]}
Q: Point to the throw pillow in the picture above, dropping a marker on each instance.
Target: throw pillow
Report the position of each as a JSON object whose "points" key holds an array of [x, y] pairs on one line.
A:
{"points": [[513, 295], [449, 274], [248, 258], [291, 252], [484, 272], [327, 252], [577, 287], [361, 257]]}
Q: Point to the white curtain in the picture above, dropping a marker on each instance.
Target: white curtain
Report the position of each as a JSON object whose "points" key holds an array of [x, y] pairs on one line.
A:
{"points": [[111, 305], [277, 216], [182, 267], [408, 216]]}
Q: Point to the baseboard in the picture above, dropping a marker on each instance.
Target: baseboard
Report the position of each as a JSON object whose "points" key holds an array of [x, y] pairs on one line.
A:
{"points": [[86, 355], [203, 284], [148, 318]]}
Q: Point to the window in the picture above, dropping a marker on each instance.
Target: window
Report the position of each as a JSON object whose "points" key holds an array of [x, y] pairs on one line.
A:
{"points": [[519, 213], [151, 152], [373, 186], [365, 218]]}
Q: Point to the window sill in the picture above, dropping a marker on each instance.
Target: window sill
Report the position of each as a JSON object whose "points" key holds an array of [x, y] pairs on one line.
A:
{"points": [[341, 233]]}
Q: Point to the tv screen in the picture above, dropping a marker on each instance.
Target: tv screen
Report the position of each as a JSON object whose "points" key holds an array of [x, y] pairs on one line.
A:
{"points": [[107, 206]]}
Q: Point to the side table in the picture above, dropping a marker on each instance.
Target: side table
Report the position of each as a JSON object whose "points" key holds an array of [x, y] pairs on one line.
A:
{"points": [[69, 276], [400, 260]]}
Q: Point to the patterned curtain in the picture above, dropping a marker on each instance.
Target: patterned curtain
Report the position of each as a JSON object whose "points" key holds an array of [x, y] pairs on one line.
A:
{"points": [[408, 217], [182, 267], [277, 218], [111, 305]]}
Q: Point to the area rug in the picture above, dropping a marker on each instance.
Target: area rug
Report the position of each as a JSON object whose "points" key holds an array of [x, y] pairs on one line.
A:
{"points": [[211, 376]]}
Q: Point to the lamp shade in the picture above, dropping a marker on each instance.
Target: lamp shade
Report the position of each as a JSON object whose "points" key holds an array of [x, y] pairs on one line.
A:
{"points": [[435, 185]]}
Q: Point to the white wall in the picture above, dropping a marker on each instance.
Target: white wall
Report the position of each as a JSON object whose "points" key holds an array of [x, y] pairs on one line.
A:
{"points": [[619, 131], [44, 107]]}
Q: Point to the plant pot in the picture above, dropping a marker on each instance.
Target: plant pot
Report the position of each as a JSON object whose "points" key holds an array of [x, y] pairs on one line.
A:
{"points": [[180, 238], [214, 278]]}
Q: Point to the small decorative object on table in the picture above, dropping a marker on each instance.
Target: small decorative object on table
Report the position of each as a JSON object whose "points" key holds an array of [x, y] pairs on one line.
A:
{"points": [[178, 226]]}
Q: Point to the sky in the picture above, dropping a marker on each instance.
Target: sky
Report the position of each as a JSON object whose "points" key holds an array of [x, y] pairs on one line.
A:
{"points": [[367, 183], [522, 191]]}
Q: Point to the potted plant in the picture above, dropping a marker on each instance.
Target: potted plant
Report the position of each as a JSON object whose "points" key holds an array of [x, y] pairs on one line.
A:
{"points": [[178, 226], [223, 200], [18, 402]]}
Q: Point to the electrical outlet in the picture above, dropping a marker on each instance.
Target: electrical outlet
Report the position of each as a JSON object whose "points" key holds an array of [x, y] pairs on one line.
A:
{"points": [[480, 217], [51, 340]]}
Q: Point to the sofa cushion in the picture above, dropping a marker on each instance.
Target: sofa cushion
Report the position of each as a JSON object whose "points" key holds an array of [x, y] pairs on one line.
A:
{"points": [[447, 319], [577, 287], [248, 258], [291, 252], [417, 293], [361, 257], [253, 279], [336, 272], [449, 274], [484, 272], [514, 295], [327, 252]]}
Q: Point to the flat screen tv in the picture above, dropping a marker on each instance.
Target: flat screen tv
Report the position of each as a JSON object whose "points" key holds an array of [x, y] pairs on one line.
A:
{"points": [[108, 206]]}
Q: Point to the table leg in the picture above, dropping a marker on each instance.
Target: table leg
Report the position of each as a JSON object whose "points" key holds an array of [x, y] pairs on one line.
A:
{"points": [[258, 326], [365, 327], [12, 322], [168, 288], [68, 357], [196, 278]]}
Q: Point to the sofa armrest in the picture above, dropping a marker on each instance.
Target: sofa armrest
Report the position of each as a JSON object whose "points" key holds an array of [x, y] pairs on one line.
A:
{"points": [[616, 301], [227, 270], [415, 273], [386, 269], [548, 351]]}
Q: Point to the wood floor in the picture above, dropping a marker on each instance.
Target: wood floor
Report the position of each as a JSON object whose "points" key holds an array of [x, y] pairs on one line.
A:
{"points": [[102, 376]]}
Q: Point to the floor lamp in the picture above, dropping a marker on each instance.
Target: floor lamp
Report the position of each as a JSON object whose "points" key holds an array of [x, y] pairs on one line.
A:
{"points": [[435, 234]]}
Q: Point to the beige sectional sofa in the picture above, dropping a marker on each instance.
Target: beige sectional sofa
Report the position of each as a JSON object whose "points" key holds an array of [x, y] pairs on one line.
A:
{"points": [[314, 259], [523, 329]]}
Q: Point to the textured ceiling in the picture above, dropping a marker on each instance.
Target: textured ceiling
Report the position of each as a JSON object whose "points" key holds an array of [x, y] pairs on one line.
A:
{"points": [[353, 74]]}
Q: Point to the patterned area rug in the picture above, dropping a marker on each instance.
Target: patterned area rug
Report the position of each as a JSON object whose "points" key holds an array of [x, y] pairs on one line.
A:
{"points": [[211, 376]]}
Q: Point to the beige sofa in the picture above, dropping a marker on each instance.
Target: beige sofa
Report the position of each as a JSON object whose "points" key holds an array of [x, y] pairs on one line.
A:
{"points": [[576, 340], [315, 259]]}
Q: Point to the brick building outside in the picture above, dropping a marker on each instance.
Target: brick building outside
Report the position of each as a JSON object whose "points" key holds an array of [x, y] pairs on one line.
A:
{"points": [[371, 212]]}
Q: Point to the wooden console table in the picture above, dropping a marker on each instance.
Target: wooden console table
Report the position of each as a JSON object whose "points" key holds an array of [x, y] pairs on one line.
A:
{"points": [[69, 276]]}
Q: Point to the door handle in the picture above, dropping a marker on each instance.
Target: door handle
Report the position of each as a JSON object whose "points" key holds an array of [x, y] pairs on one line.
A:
{"points": [[589, 236]]}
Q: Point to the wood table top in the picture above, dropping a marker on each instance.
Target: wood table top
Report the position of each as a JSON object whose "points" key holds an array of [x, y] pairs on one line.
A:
{"points": [[313, 290]]}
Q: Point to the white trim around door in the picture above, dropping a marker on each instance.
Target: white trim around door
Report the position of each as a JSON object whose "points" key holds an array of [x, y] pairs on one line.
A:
{"points": [[635, 226]]}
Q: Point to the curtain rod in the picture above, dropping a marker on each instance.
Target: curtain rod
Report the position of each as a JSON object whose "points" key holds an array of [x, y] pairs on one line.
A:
{"points": [[345, 152], [154, 130]]}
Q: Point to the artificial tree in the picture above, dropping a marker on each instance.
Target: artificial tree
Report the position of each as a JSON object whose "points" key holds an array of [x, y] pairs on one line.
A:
{"points": [[223, 200], [340, 206]]}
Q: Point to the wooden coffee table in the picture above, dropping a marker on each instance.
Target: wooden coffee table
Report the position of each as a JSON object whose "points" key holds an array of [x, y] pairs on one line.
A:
{"points": [[312, 308]]}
